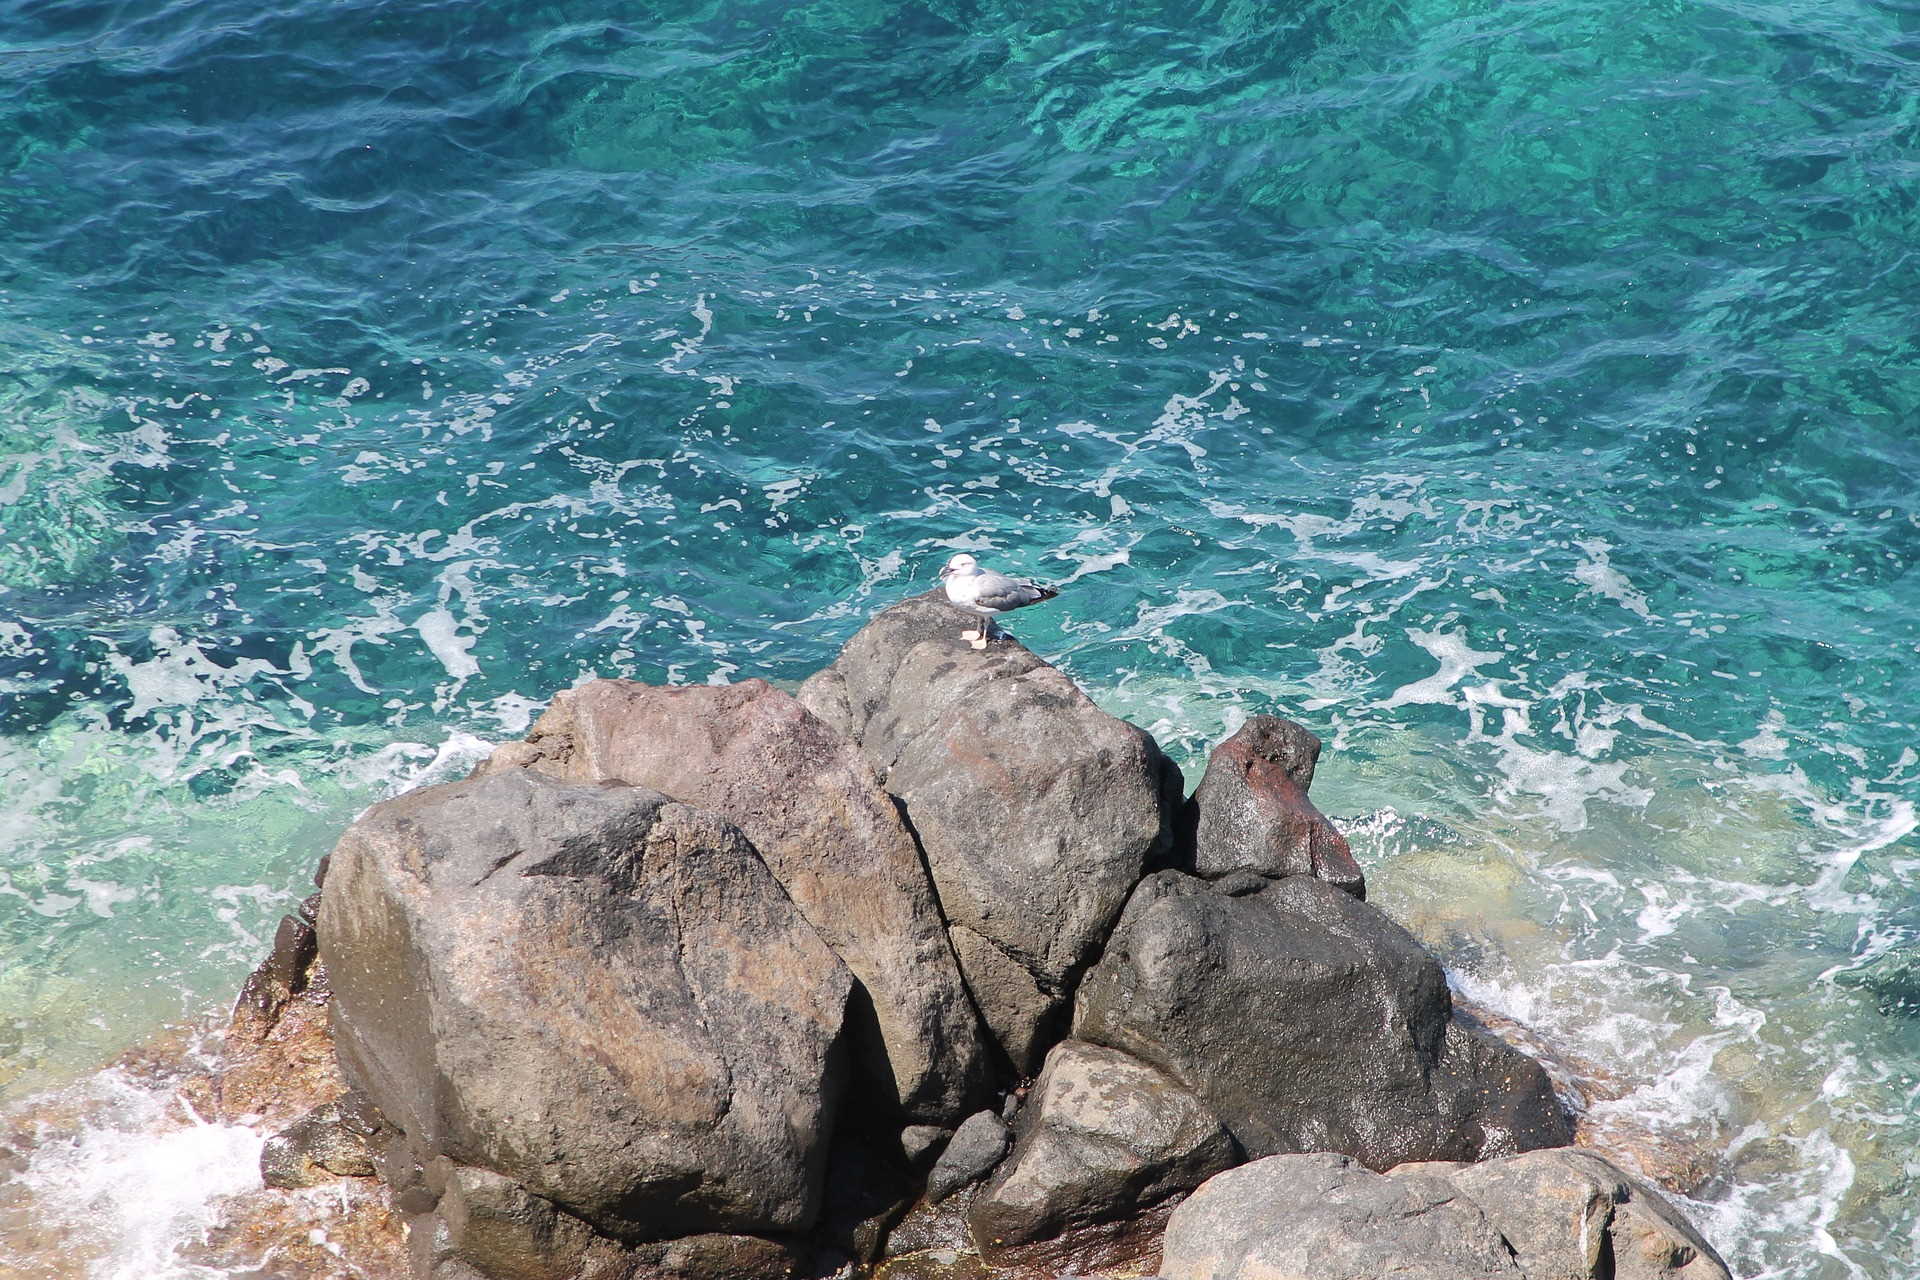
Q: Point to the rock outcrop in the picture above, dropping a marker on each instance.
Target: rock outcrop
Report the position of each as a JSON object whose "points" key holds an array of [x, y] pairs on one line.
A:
{"points": [[833, 838], [1251, 812], [596, 992], [726, 984], [1037, 811], [1545, 1215], [1308, 1021]]}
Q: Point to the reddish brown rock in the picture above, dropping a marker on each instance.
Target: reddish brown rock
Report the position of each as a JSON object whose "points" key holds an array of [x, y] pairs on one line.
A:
{"points": [[1251, 812]]}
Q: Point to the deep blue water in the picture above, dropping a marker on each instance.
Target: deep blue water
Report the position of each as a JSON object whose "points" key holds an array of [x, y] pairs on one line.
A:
{"points": [[1524, 396]]}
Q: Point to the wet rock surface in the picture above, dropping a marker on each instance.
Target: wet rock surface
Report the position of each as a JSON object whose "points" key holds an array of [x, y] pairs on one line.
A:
{"points": [[334, 1140]]}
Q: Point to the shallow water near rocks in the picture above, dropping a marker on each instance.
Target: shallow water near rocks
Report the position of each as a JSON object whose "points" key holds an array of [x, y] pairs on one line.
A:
{"points": [[1521, 398]]}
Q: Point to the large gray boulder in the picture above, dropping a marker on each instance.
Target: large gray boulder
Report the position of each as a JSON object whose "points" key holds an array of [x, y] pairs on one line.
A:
{"points": [[593, 991], [1308, 1021], [831, 835], [1037, 811], [1101, 1138], [1251, 812], [1325, 1217], [1545, 1215]]}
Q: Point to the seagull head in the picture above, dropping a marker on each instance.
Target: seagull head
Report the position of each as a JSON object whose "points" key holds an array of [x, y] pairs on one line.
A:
{"points": [[961, 564]]}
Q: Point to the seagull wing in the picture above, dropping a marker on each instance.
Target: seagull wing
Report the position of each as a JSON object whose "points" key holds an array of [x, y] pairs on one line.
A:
{"points": [[1001, 593]]}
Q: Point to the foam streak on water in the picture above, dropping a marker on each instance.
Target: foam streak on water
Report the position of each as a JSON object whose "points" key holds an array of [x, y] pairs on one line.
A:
{"points": [[1524, 402]]}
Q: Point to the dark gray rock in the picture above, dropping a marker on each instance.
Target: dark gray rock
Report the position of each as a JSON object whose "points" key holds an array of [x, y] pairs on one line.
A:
{"points": [[830, 834], [596, 992], [487, 1227], [281, 976], [976, 1146], [871, 1183], [1509, 1094], [1037, 811], [1307, 1021], [491, 1225], [1325, 1217], [331, 1141], [923, 1143], [934, 1236], [1102, 1137], [1545, 1215], [1251, 812], [1571, 1214]]}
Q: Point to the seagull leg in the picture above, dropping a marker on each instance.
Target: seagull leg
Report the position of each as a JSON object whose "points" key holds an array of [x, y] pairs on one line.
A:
{"points": [[986, 633]]}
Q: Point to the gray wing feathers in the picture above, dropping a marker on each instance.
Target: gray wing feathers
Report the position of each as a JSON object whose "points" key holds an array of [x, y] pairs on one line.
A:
{"points": [[1001, 593]]}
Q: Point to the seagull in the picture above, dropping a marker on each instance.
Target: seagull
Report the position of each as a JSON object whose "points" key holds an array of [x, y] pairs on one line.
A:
{"points": [[986, 593]]}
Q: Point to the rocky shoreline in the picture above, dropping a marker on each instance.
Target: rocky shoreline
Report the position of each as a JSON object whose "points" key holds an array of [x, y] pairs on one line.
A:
{"points": [[929, 970]]}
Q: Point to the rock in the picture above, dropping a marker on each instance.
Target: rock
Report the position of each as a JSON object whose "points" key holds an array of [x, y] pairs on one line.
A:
{"points": [[832, 837], [1509, 1094], [1545, 1215], [1102, 1137], [280, 977], [594, 991], [923, 1143], [976, 1146], [494, 1226], [277, 1061], [1307, 1021], [1325, 1217], [716, 1257], [871, 1183], [1251, 812], [331, 1141], [1037, 811], [1572, 1214], [931, 1232]]}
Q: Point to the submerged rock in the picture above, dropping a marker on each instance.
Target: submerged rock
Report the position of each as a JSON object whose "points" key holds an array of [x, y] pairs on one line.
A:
{"points": [[1308, 1021], [1251, 812], [1037, 811], [830, 834], [593, 991]]}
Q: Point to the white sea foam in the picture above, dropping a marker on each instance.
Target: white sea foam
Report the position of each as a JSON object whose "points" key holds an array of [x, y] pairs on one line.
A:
{"points": [[1457, 661], [1599, 576], [440, 630], [143, 1178]]}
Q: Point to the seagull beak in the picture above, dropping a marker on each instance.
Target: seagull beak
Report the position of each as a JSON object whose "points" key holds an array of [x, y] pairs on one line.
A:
{"points": [[946, 571]]}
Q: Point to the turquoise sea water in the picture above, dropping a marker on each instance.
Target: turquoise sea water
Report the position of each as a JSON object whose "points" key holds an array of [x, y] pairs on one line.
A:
{"points": [[1524, 396]]}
